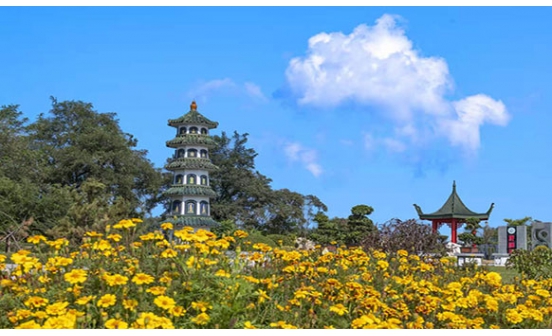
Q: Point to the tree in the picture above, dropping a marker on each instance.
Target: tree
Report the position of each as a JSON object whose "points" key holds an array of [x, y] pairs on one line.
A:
{"points": [[79, 143], [519, 222], [313, 206], [328, 231], [285, 212], [359, 225], [489, 240], [242, 192]]}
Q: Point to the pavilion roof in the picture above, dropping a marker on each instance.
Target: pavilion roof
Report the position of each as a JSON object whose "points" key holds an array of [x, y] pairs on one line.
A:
{"points": [[193, 117], [193, 221], [454, 208], [190, 140], [190, 190]]}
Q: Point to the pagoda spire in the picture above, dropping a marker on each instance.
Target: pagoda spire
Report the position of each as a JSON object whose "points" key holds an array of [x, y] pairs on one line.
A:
{"points": [[190, 192]]}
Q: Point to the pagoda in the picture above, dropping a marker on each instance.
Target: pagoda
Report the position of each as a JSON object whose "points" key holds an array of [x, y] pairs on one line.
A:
{"points": [[453, 213], [190, 191]]}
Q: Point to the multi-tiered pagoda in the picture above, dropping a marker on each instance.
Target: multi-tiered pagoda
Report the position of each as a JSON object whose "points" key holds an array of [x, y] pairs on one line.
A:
{"points": [[190, 192]]}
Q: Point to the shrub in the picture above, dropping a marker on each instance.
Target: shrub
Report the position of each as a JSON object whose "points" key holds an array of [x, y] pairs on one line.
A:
{"points": [[535, 264], [286, 240], [256, 238], [410, 235]]}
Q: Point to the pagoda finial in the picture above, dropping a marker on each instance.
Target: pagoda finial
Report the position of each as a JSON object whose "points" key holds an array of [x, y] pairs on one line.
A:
{"points": [[453, 185], [193, 106]]}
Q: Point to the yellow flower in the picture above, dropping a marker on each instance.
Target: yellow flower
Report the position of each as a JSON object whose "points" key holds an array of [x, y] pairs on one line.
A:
{"points": [[57, 308], [164, 302], [116, 324], [142, 278], [169, 253], [93, 234], [222, 273], [339, 309], [177, 311], [130, 304], [75, 276], [107, 300], [241, 234], [513, 316], [84, 300], [262, 296], [36, 239], [60, 322], [493, 279], [125, 224], [492, 304], [543, 292], [283, 325], [382, 265], [201, 306], [116, 280], [402, 253], [248, 325], [36, 302], [157, 290], [201, 319], [115, 237], [167, 226], [28, 325], [191, 261]]}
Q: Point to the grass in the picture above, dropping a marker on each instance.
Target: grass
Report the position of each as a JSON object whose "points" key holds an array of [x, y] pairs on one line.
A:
{"points": [[508, 274]]}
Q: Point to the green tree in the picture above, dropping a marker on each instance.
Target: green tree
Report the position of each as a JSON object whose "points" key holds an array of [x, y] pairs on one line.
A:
{"points": [[328, 231], [359, 225], [243, 193], [79, 143], [519, 222]]}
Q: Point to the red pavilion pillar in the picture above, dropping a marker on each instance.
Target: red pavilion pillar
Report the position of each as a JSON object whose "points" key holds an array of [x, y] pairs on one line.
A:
{"points": [[453, 227], [434, 226]]}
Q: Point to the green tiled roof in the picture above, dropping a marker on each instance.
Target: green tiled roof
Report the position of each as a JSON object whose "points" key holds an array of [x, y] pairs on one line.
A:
{"points": [[193, 117], [191, 163], [454, 208], [190, 190], [192, 139], [193, 221]]}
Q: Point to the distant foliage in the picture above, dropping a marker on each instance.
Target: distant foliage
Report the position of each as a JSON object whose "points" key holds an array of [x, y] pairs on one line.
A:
{"points": [[535, 264], [256, 238], [410, 235], [286, 240]]}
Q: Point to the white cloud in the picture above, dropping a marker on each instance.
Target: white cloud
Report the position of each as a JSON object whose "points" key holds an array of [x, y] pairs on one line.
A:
{"points": [[394, 145], [472, 112], [378, 66], [369, 142], [254, 90], [296, 152], [204, 90]]}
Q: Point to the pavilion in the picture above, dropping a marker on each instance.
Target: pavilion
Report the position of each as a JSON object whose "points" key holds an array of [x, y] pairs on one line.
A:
{"points": [[453, 213]]}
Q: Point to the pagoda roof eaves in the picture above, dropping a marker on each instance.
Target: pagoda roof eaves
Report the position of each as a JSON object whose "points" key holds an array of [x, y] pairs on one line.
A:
{"points": [[453, 208]]}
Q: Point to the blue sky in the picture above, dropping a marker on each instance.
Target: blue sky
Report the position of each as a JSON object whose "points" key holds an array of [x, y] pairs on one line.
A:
{"points": [[373, 105]]}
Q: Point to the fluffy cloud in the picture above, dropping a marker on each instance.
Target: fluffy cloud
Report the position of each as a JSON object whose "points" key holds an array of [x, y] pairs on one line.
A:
{"points": [[203, 90], [254, 90], [296, 152], [377, 66]]}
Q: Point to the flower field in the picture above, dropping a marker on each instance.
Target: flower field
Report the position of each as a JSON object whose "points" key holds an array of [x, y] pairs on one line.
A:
{"points": [[118, 279]]}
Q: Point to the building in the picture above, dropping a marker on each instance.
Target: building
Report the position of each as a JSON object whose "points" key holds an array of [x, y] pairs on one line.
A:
{"points": [[190, 192], [453, 213]]}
